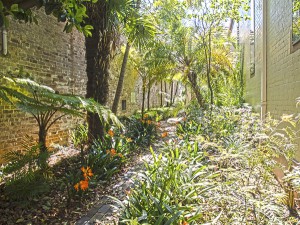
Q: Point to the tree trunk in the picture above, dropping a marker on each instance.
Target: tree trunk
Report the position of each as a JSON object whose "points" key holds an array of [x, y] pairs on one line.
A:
{"points": [[161, 93], [171, 98], [208, 69], [144, 93], [98, 56], [121, 80], [166, 93], [43, 148], [176, 90], [192, 76], [148, 95]]}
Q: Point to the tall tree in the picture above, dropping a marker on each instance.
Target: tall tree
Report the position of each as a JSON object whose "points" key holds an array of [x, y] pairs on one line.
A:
{"points": [[105, 17], [139, 28]]}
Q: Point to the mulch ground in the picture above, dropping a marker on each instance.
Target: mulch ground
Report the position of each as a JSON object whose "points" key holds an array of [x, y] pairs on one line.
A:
{"points": [[52, 208]]}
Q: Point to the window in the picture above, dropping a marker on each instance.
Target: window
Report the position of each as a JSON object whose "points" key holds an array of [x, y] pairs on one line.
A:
{"points": [[123, 104], [296, 22]]}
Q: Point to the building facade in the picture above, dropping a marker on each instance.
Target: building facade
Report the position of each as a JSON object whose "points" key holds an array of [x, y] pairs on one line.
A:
{"points": [[271, 50]]}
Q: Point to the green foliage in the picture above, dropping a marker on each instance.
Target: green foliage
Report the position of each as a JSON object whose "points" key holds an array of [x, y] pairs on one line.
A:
{"points": [[141, 131], [24, 180], [47, 106], [221, 174], [106, 157], [73, 12], [79, 137], [164, 113], [168, 190], [27, 186]]}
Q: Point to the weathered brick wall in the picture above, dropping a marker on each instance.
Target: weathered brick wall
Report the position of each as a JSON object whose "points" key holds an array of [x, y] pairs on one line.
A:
{"points": [[54, 58], [283, 64]]}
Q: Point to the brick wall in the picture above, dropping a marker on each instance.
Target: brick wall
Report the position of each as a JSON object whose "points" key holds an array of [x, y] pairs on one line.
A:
{"points": [[283, 64], [54, 58]]}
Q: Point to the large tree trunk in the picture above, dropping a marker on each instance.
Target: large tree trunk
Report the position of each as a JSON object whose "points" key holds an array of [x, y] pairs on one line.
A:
{"points": [[121, 80], [98, 56], [192, 76]]}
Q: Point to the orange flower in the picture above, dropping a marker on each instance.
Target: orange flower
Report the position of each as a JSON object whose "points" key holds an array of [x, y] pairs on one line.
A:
{"points": [[146, 116], [84, 184], [164, 134], [120, 155], [87, 172], [149, 121], [111, 133], [113, 152], [90, 173], [185, 223], [76, 186]]}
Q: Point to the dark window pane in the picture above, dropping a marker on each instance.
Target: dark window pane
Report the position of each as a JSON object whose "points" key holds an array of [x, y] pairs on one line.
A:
{"points": [[123, 104]]}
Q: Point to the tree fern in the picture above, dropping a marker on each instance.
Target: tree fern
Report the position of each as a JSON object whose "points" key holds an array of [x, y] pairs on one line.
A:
{"points": [[48, 106]]}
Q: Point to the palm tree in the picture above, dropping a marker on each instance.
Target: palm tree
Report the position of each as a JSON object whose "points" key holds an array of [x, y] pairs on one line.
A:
{"points": [[139, 29], [105, 17]]}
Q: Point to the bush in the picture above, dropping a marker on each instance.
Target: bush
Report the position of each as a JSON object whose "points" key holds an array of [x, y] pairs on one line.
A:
{"points": [[24, 178], [221, 174], [140, 131]]}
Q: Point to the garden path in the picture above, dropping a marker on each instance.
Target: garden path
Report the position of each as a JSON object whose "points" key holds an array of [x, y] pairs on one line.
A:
{"points": [[107, 211]]}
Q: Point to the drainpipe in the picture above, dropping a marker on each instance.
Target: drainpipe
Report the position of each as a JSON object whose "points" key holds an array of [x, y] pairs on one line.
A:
{"points": [[264, 69], [4, 41]]}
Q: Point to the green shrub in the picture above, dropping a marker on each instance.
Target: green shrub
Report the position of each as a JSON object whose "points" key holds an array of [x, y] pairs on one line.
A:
{"points": [[104, 162], [221, 174], [24, 179], [79, 137], [141, 131], [169, 188]]}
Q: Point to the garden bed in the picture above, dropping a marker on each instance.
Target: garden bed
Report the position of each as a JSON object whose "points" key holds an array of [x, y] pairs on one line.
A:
{"points": [[52, 208]]}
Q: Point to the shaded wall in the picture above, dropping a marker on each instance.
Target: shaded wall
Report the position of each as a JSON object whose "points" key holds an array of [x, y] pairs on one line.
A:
{"points": [[283, 60], [54, 58]]}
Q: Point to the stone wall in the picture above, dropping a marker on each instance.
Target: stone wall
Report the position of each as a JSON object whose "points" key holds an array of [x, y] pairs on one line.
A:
{"points": [[54, 58]]}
